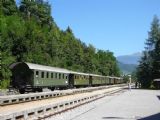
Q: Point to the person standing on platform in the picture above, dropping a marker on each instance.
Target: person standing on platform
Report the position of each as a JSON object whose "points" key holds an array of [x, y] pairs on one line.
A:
{"points": [[129, 86], [136, 84], [129, 83]]}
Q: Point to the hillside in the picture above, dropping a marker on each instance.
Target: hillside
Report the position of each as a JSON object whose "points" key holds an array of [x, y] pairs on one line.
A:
{"points": [[30, 34], [127, 68], [130, 59], [128, 63]]}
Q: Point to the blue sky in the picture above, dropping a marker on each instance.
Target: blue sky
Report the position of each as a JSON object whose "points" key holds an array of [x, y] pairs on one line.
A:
{"points": [[120, 26]]}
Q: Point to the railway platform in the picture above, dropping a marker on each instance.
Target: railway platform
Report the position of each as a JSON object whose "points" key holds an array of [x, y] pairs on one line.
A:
{"points": [[44, 108], [136, 104]]}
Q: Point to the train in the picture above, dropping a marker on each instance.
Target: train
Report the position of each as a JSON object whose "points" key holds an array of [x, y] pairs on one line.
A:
{"points": [[34, 77]]}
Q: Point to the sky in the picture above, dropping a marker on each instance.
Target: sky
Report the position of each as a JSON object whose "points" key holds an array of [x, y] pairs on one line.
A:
{"points": [[120, 26]]}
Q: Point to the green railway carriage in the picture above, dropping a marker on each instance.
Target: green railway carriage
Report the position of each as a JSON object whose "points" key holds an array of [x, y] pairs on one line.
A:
{"points": [[34, 77], [103, 79], [97, 79], [28, 75], [78, 79], [120, 80], [107, 80], [111, 80], [117, 80], [114, 80]]}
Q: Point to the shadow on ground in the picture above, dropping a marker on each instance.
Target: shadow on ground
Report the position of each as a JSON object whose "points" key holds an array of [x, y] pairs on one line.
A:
{"points": [[152, 117], [112, 118], [158, 97]]}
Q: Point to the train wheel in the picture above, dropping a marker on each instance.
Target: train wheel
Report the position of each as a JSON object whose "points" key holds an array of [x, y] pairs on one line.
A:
{"points": [[39, 89], [22, 91], [52, 88]]}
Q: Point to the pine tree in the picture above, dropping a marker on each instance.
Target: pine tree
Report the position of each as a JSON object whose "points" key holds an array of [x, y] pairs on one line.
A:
{"points": [[147, 68], [8, 7], [156, 58], [37, 9], [144, 71], [152, 35]]}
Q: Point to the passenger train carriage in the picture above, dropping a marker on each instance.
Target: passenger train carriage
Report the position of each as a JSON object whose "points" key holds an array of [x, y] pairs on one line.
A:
{"points": [[34, 77]]}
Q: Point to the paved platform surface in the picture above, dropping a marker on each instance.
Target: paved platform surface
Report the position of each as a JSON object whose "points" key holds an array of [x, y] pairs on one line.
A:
{"points": [[39, 103], [136, 104]]}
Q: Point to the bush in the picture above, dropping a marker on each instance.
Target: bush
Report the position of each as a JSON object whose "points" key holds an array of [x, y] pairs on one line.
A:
{"points": [[4, 84]]}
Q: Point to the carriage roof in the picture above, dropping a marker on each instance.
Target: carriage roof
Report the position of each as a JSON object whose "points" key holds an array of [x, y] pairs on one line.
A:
{"points": [[40, 67]]}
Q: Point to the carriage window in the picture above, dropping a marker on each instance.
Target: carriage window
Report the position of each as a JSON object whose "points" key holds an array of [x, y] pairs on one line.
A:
{"points": [[66, 77], [63, 76], [42, 75], [51, 75], [59, 76], [55, 75], [47, 75], [37, 73]]}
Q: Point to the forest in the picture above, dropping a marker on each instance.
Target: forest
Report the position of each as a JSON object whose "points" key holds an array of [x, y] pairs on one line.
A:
{"points": [[149, 65], [30, 34]]}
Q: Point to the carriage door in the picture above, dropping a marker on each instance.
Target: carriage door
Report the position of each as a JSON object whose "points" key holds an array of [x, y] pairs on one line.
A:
{"points": [[90, 80], [71, 80]]}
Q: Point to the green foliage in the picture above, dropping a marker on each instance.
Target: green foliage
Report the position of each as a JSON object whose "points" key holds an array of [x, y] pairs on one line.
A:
{"points": [[134, 76], [126, 78], [4, 84], [156, 58], [149, 67], [8, 7], [127, 68], [29, 34]]}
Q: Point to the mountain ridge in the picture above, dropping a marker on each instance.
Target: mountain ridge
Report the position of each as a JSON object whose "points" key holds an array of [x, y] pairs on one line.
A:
{"points": [[130, 59], [128, 63]]}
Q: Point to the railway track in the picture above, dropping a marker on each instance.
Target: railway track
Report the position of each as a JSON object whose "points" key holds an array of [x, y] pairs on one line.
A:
{"points": [[39, 109]]}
